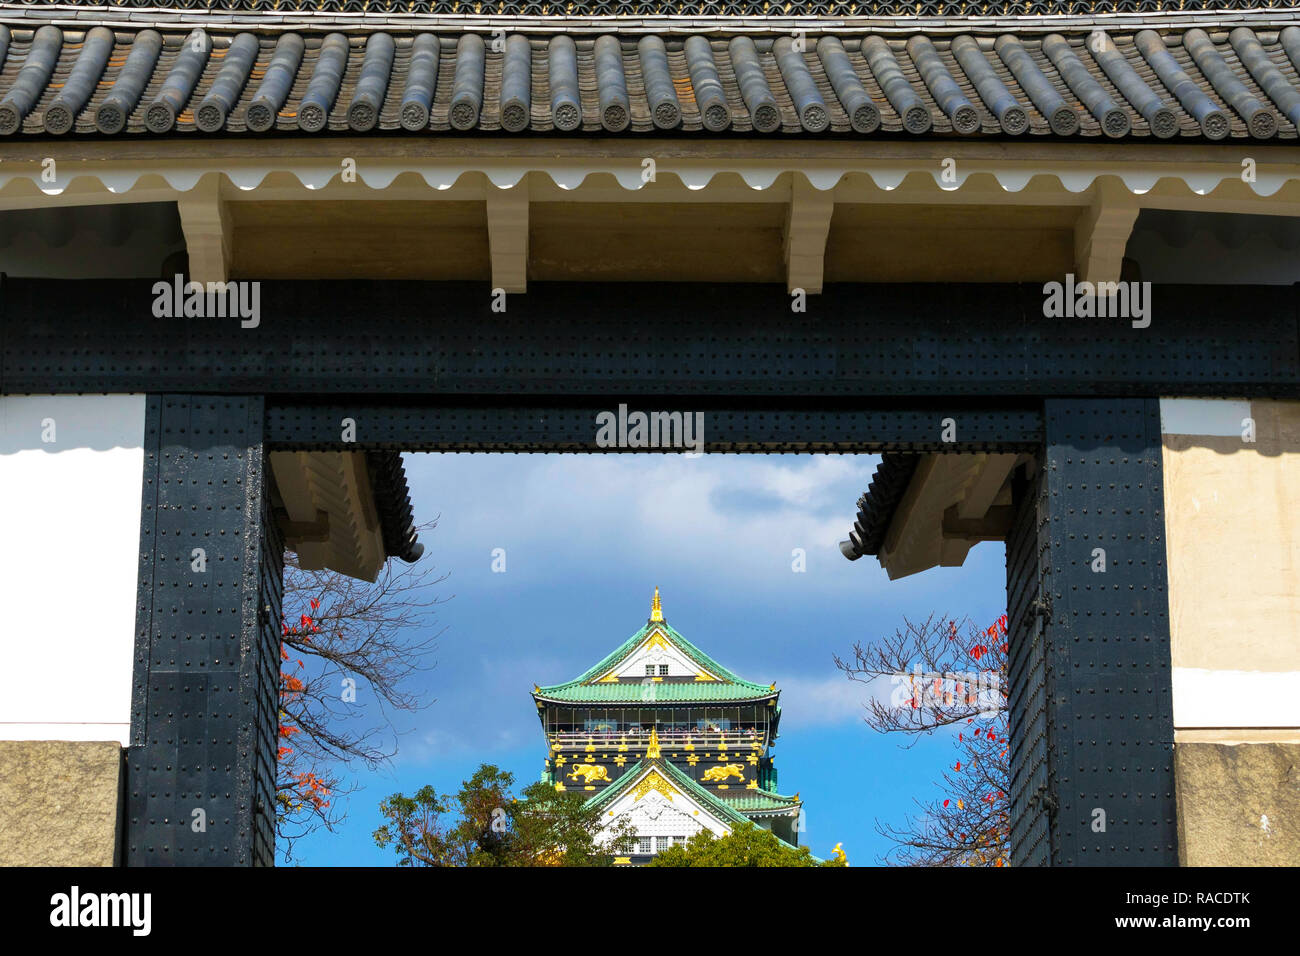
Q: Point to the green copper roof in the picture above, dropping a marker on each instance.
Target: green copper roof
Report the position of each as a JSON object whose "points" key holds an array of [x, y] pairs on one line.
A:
{"points": [[728, 687], [758, 800]]}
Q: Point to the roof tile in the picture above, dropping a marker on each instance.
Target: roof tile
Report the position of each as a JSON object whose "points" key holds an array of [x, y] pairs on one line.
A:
{"points": [[627, 84]]}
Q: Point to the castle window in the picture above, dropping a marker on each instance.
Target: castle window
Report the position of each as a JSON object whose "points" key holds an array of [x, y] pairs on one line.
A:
{"points": [[649, 670], [644, 845], [663, 843], [663, 670]]}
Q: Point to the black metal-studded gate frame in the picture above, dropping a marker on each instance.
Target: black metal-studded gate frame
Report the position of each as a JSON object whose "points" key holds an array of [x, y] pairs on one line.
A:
{"points": [[202, 761], [709, 343], [1108, 651], [1089, 691], [201, 765], [1091, 700]]}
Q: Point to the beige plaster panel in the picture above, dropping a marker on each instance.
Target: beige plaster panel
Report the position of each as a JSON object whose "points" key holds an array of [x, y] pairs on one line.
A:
{"points": [[1232, 523], [622, 242], [947, 243], [381, 239]]}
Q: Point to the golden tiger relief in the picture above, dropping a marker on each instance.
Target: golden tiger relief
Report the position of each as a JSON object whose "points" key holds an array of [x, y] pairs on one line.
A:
{"points": [[714, 774], [588, 772]]}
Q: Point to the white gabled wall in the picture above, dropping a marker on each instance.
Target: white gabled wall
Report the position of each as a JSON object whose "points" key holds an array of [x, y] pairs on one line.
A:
{"points": [[656, 653], [662, 811], [69, 555]]}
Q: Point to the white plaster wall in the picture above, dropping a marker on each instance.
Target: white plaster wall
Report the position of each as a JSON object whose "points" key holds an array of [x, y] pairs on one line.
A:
{"points": [[69, 554]]}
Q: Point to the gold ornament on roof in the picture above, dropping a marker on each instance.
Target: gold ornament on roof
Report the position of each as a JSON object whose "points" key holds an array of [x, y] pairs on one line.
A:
{"points": [[653, 781], [652, 749], [656, 609]]}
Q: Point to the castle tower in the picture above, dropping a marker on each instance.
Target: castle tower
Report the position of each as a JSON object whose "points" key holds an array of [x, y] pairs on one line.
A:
{"points": [[662, 734]]}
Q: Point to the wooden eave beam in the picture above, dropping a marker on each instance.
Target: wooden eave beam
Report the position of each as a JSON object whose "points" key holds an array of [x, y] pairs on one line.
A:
{"points": [[807, 224], [205, 220], [995, 525], [507, 222], [1102, 232]]}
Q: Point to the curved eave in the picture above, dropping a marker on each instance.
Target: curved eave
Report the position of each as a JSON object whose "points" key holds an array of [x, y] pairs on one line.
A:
{"points": [[784, 802], [877, 504], [541, 698], [346, 511], [393, 503], [590, 678], [88, 174]]}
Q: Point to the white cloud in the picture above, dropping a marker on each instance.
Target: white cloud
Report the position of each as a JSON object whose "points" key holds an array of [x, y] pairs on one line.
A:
{"points": [[819, 701], [731, 518]]}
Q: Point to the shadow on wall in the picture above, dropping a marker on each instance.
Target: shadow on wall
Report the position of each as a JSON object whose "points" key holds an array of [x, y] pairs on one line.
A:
{"points": [[114, 241], [1215, 248], [1226, 426], [62, 423]]}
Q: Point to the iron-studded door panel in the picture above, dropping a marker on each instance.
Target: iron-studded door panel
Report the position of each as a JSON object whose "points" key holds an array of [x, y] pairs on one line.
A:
{"points": [[1106, 621], [1028, 726], [202, 761]]}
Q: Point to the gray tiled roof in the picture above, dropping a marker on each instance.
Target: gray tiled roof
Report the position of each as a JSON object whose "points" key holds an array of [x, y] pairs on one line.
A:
{"points": [[393, 502], [740, 10], [1138, 83], [876, 507]]}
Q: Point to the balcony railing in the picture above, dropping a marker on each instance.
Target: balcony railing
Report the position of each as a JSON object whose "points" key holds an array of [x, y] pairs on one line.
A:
{"points": [[743, 740]]}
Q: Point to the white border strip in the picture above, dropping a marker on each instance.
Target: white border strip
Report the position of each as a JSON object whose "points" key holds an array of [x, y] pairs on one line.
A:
{"points": [[570, 173], [1213, 698]]}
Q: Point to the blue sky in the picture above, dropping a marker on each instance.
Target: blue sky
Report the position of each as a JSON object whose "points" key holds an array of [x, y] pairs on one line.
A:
{"points": [[586, 539]]}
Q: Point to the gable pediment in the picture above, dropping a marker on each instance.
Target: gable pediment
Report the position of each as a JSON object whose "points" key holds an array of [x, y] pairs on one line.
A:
{"points": [[663, 658]]}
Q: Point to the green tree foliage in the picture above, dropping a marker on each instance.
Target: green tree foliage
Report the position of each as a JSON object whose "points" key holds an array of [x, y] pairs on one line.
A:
{"points": [[485, 824], [746, 845]]}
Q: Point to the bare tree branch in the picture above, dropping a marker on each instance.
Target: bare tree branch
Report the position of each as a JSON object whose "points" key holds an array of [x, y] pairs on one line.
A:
{"points": [[946, 674], [350, 649]]}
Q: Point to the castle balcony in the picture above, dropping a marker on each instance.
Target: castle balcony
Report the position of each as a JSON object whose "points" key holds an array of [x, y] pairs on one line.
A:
{"points": [[742, 740]]}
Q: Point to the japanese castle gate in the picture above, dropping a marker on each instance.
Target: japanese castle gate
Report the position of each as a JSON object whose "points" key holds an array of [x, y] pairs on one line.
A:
{"points": [[825, 232]]}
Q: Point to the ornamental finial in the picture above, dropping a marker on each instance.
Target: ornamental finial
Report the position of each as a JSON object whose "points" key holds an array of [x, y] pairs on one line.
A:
{"points": [[656, 609], [652, 748]]}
